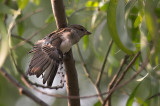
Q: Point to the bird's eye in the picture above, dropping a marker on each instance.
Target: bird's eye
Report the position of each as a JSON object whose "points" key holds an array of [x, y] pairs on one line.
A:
{"points": [[82, 29]]}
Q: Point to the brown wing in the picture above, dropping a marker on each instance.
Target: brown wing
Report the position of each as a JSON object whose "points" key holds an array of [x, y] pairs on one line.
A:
{"points": [[46, 58]]}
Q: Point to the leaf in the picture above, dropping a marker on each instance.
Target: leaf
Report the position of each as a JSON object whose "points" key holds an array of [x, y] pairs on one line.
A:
{"points": [[69, 12], [20, 27], [50, 19], [36, 2], [141, 79], [92, 4], [137, 21], [141, 102], [104, 6], [98, 103], [151, 20], [22, 3], [4, 47], [85, 42], [116, 26], [131, 97]]}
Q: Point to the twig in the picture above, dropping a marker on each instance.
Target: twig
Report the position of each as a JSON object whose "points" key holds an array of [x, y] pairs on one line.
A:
{"points": [[30, 37], [21, 88], [28, 15], [103, 65], [153, 96], [87, 73], [21, 38], [78, 10], [121, 77], [111, 84], [30, 85]]}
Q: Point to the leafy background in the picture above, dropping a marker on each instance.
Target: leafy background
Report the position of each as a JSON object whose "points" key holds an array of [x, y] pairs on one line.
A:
{"points": [[132, 24]]}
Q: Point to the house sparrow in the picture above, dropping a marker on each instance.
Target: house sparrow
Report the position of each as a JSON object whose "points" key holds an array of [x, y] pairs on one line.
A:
{"points": [[48, 52]]}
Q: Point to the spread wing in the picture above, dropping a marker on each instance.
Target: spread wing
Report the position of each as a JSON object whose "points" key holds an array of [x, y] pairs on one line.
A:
{"points": [[46, 58]]}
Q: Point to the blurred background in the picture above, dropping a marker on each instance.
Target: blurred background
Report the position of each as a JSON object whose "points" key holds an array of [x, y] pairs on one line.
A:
{"points": [[136, 23]]}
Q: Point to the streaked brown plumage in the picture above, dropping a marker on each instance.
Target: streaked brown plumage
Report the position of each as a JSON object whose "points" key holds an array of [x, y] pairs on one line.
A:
{"points": [[48, 52]]}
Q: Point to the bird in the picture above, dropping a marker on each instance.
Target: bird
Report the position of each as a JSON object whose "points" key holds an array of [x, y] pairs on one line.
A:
{"points": [[48, 52]]}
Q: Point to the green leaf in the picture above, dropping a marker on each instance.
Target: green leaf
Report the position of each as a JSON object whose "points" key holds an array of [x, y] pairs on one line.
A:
{"points": [[131, 97], [4, 46], [22, 3], [85, 42], [36, 2], [98, 103], [141, 102], [20, 27], [116, 26], [92, 4], [69, 12], [50, 19], [152, 25], [137, 21], [104, 6]]}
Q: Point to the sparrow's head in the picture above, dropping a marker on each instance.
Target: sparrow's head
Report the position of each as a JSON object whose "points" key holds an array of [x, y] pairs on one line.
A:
{"points": [[80, 30]]}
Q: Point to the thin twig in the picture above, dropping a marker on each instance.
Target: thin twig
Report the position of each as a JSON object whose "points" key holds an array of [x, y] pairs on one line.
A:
{"points": [[87, 73], [23, 39], [112, 82], [21, 88], [30, 37], [29, 84], [78, 10], [103, 65], [28, 15], [121, 77]]}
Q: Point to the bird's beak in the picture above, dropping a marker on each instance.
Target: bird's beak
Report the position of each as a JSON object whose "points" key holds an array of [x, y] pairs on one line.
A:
{"points": [[88, 33]]}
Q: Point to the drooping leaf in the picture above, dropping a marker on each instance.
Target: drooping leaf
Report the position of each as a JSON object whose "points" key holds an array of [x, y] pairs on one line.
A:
{"points": [[116, 26], [85, 42], [104, 6], [20, 27], [132, 96], [69, 12], [151, 20], [22, 3], [98, 103], [36, 2], [4, 47], [50, 19], [92, 4], [137, 21]]}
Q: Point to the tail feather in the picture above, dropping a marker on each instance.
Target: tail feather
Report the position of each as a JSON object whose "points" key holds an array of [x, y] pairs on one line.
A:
{"points": [[52, 75], [46, 59], [48, 72]]}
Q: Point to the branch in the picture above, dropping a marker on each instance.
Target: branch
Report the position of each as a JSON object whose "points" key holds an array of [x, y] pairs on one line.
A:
{"points": [[21, 88], [112, 82], [121, 77], [23, 39], [30, 37], [104, 63], [88, 75], [71, 73]]}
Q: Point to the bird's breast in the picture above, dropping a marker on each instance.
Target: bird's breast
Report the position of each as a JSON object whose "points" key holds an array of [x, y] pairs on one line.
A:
{"points": [[65, 46]]}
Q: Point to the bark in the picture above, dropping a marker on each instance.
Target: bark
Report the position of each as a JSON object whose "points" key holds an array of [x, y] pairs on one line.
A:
{"points": [[71, 73]]}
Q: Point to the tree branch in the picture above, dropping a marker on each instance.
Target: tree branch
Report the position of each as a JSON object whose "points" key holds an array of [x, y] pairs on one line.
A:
{"points": [[21, 88], [71, 73], [121, 77]]}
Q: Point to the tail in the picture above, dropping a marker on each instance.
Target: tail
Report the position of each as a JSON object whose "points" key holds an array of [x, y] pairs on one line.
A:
{"points": [[46, 59]]}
